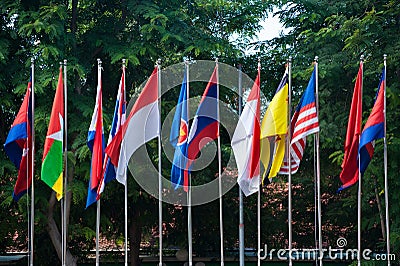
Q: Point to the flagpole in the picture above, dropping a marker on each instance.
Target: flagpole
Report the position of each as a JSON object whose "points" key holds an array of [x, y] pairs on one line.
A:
{"points": [[241, 221], [32, 224], [65, 166], [126, 181], [289, 161], [221, 221], [359, 182], [160, 224], [386, 166], [259, 210], [189, 193], [98, 201], [319, 216]]}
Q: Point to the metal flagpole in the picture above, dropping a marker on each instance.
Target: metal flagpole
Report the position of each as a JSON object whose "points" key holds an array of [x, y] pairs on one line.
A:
{"points": [[62, 203], [160, 223], [289, 160], [65, 165], [319, 216], [359, 183], [241, 220], [32, 224], [259, 224], [98, 202], [259, 210], [386, 166], [221, 221], [189, 193], [125, 173]]}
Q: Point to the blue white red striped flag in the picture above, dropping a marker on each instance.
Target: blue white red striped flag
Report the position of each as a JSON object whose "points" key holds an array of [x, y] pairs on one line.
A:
{"points": [[304, 122]]}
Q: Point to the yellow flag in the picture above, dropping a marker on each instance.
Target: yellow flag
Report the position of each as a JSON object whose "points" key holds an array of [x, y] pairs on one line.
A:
{"points": [[274, 128]]}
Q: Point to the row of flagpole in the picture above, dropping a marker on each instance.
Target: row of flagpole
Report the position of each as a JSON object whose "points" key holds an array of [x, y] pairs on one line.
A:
{"points": [[289, 159]]}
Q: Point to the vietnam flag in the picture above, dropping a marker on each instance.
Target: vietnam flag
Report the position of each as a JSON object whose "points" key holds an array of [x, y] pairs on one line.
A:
{"points": [[52, 162]]}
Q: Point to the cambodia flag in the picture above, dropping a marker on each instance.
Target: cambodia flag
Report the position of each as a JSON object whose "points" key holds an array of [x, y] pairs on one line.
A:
{"points": [[205, 127], [109, 170], [95, 142], [18, 146], [374, 128], [349, 174], [179, 137]]}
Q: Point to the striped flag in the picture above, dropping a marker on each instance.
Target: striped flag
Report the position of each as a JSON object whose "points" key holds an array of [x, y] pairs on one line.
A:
{"points": [[109, 170], [304, 122]]}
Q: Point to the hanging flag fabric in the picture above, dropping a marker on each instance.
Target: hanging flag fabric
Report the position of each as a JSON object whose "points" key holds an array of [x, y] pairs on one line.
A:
{"points": [[374, 128], [349, 174], [52, 162], [246, 142], [179, 137], [142, 125], [18, 145], [205, 126], [274, 128], [304, 122], [109, 170], [95, 142]]}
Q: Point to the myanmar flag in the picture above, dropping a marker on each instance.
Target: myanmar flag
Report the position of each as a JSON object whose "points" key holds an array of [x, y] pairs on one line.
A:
{"points": [[52, 163]]}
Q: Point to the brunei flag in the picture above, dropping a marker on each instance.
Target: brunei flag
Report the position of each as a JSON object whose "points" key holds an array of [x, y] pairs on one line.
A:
{"points": [[52, 163]]}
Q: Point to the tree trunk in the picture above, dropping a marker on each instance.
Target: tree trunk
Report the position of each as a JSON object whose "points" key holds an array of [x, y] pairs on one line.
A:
{"points": [[52, 228], [135, 237], [378, 202]]}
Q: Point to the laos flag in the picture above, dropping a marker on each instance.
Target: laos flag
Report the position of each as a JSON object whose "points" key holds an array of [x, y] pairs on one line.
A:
{"points": [[178, 138], [374, 128], [205, 126], [18, 146]]}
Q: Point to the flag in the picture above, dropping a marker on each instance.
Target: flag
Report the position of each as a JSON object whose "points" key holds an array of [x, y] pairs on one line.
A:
{"points": [[349, 174], [95, 141], [274, 128], [246, 142], [374, 128], [205, 126], [142, 125], [179, 136], [304, 122], [52, 162], [109, 169], [18, 145]]}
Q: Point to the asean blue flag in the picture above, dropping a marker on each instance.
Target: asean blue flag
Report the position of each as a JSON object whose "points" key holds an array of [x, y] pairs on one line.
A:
{"points": [[374, 128], [179, 136], [18, 145], [205, 126]]}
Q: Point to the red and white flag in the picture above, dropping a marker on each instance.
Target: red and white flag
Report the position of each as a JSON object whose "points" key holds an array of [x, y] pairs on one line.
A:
{"points": [[141, 126], [246, 142]]}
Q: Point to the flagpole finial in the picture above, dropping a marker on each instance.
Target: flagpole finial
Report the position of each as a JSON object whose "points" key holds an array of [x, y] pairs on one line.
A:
{"points": [[316, 59], [385, 57], [159, 62], [61, 63], [362, 57], [32, 60], [216, 60], [65, 62], [123, 61]]}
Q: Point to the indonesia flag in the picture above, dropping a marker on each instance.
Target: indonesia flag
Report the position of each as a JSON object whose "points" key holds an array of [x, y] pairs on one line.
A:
{"points": [[109, 170], [246, 142], [304, 122], [374, 128], [18, 146], [142, 125]]}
